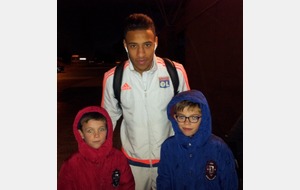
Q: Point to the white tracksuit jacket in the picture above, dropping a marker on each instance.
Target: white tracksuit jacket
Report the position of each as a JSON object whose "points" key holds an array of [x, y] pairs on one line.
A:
{"points": [[144, 100]]}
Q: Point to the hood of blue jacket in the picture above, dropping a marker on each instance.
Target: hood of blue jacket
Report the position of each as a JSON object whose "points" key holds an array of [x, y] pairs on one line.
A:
{"points": [[205, 129]]}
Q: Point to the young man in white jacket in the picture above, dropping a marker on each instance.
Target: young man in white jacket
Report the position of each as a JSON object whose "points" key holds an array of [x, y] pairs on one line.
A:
{"points": [[145, 93]]}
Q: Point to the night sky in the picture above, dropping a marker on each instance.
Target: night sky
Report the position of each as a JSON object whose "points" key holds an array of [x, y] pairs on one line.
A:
{"points": [[94, 28]]}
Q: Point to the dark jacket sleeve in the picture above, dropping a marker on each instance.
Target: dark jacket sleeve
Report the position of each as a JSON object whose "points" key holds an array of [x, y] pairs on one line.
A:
{"points": [[229, 178], [164, 179]]}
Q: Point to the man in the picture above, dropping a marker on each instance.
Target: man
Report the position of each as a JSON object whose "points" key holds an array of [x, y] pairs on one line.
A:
{"points": [[145, 92]]}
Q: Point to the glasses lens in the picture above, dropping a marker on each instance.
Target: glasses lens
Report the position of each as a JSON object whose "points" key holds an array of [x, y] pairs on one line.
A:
{"points": [[181, 118], [194, 119]]}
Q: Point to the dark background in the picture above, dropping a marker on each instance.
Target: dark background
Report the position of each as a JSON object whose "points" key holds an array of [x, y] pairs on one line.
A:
{"points": [[94, 28]]}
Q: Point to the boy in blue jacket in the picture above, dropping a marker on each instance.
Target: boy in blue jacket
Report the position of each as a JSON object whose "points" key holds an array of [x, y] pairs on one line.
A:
{"points": [[194, 158]]}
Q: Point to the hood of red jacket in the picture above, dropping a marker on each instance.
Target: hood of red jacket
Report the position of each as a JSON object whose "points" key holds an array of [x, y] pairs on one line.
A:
{"points": [[94, 155]]}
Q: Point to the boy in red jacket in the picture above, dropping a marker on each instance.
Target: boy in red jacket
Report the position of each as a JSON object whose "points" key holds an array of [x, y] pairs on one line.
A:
{"points": [[96, 165]]}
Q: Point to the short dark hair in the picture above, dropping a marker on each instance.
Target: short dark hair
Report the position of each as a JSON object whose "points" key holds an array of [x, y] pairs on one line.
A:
{"points": [[88, 116], [185, 103], [138, 21]]}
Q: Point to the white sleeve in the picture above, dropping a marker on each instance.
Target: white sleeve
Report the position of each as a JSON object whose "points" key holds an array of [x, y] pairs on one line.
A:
{"points": [[109, 102]]}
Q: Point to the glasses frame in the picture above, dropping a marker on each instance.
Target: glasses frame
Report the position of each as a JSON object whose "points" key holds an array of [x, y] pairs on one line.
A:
{"points": [[198, 118]]}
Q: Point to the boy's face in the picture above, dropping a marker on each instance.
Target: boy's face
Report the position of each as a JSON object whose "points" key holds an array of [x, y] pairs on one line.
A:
{"points": [[141, 46], [94, 133], [188, 128]]}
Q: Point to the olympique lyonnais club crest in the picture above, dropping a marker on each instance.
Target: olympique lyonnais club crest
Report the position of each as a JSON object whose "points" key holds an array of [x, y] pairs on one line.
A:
{"points": [[164, 82], [211, 170]]}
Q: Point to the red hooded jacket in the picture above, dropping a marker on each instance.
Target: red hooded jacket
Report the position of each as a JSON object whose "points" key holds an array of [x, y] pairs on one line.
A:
{"points": [[92, 169]]}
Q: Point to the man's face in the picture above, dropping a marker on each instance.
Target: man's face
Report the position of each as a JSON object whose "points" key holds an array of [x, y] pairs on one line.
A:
{"points": [[141, 46]]}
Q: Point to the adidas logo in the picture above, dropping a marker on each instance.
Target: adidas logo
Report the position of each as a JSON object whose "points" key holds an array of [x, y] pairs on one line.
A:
{"points": [[126, 87]]}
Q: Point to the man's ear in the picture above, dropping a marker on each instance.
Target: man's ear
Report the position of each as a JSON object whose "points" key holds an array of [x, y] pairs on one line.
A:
{"points": [[156, 42], [81, 134], [125, 46]]}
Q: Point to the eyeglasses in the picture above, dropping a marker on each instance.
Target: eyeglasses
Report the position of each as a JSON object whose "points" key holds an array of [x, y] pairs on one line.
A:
{"points": [[192, 119]]}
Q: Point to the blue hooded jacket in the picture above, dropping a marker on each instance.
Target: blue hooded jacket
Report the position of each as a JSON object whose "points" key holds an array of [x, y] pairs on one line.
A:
{"points": [[203, 161]]}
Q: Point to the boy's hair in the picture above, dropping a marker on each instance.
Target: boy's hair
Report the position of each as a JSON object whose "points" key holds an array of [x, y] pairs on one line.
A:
{"points": [[185, 103], [138, 21], [90, 115]]}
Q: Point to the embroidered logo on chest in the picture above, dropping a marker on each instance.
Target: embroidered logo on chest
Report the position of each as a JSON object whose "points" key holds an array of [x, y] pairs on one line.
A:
{"points": [[164, 82], [116, 178], [126, 87], [211, 170]]}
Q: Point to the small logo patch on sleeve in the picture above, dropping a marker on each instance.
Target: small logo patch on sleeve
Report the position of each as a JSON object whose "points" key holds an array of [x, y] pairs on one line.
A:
{"points": [[211, 170]]}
